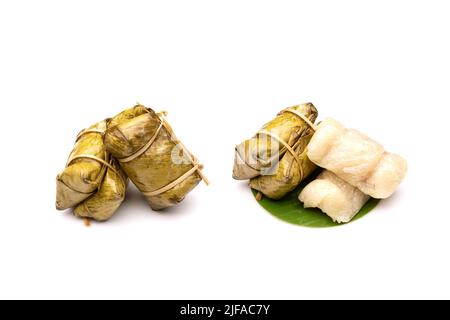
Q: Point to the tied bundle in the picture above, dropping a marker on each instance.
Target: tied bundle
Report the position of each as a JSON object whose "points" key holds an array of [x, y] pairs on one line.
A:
{"points": [[92, 183], [137, 143], [153, 158], [275, 158]]}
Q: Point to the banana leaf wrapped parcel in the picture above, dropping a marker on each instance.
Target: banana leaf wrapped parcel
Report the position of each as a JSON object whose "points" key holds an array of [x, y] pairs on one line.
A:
{"points": [[275, 158], [152, 157], [82, 176], [92, 182]]}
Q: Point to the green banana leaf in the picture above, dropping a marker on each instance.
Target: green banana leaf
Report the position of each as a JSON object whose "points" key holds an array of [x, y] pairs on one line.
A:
{"points": [[291, 210]]}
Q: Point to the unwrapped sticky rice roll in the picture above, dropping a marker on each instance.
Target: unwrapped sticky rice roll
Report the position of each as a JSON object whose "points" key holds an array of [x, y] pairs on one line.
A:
{"points": [[335, 197], [357, 159]]}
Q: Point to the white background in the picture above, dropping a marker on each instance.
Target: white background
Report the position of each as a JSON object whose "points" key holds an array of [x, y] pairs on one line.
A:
{"points": [[222, 69]]}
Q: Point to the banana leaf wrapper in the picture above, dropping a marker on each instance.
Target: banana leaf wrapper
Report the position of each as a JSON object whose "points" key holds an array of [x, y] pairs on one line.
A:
{"points": [[259, 154], [152, 157], [292, 169], [82, 176], [92, 170], [103, 204]]}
